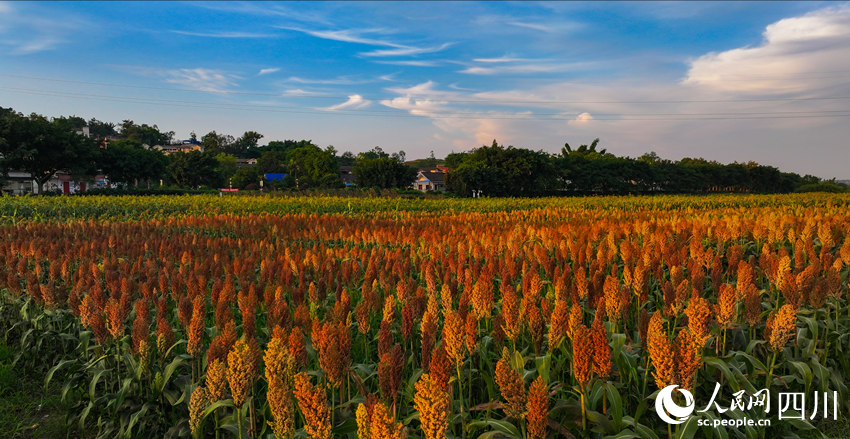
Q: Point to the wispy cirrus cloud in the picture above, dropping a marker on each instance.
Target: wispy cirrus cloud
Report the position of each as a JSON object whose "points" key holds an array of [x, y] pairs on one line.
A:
{"points": [[211, 80], [224, 34], [268, 71], [409, 63], [339, 80], [354, 102], [25, 32], [407, 50], [366, 37]]}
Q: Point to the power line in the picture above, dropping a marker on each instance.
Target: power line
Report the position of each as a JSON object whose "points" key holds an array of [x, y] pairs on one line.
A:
{"points": [[396, 113], [479, 101]]}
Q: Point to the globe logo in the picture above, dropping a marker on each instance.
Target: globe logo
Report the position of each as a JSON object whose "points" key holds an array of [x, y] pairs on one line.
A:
{"points": [[664, 404]]}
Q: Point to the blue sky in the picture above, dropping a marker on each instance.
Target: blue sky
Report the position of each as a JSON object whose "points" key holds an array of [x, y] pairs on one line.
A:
{"points": [[726, 81]]}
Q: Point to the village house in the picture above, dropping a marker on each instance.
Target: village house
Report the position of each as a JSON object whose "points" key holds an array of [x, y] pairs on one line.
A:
{"points": [[431, 179]]}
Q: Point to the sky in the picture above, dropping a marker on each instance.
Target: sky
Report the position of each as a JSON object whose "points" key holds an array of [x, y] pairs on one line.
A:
{"points": [[726, 81]]}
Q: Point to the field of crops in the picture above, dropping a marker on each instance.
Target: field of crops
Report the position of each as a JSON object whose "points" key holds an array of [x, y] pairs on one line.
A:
{"points": [[287, 317]]}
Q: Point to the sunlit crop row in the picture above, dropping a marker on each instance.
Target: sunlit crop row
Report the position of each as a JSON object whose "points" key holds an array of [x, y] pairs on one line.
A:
{"points": [[385, 318]]}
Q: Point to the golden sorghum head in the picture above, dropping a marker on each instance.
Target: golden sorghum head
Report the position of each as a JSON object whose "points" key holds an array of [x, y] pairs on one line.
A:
{"points": [[559, 324], [661, 353], [575, 318], [745, 277], [688, 358], [196, 327], [453, 336], [280, 368], [144, 356], [752, 305], [726, 304], [582, 355], [433, 404], [510, 311], [781, 327], [537, 409], [471, 327], [512, 387], [240, 371], [197, 404], [313, 404], [363, 422], [441, 368], [601, 349], [216, 380], [383, 426], [699, 318]]}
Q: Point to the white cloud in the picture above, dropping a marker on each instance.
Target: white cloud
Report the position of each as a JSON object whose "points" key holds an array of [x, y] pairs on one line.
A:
{"points": [[407, 50], [224, 34], [297, 92], [340, 80], [410, 63], [354, 102], [797, 55], [502, 59], [347, 36], [202, 79], [268, 71], [26, 32], [362, 36], [522, 68], [583, 117]]}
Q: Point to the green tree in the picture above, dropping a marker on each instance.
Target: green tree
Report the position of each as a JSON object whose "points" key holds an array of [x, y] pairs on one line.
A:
{"points": [[272, 162], [40, 147], [227, 167], [216, 143], [145, 134], [126, 162], [374, 170], [311, 166], [193, 169]]}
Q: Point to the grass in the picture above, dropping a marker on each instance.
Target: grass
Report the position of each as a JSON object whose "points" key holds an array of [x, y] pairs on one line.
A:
{"points": [[27, 410]]}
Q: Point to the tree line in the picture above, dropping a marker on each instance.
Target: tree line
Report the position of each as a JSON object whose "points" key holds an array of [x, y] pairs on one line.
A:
{"points": [[497, 170], [42, 147]]}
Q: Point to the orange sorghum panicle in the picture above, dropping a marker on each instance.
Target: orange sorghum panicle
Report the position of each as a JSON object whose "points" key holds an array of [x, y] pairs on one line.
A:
{"points": [[582, 355], [781, 327], [537, 409], [660, 352], [197, 404], [313, 404], [688, 358], [363, 422], [699, 318], [559, 324], [752, 305], [279, 368], [240, 368], [726, 303], [433, 403], [216, 380], [196, 327], [453, 336], [512, 388], [383, 426], [601, 349]]}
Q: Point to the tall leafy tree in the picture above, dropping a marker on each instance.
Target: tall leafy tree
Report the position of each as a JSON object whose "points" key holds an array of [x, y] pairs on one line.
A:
{"points": [[126, 162], [310, 166], [41, 147], [379, 169]]}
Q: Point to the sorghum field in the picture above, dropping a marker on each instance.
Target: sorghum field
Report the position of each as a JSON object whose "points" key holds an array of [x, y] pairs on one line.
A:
{"points": [[374, 318]]}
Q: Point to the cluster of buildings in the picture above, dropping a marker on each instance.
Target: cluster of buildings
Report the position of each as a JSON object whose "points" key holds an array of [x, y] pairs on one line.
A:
{"points": [[21, 183]]}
